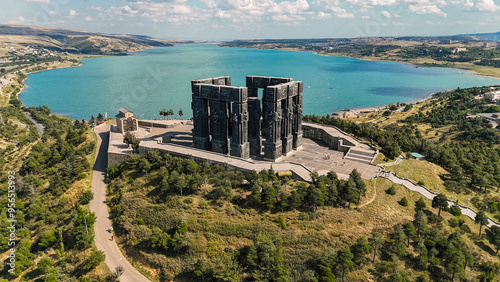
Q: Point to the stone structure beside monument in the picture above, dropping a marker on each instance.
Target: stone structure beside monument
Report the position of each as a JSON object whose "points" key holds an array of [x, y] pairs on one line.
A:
{"points": [[126, 121], [233, 120]]}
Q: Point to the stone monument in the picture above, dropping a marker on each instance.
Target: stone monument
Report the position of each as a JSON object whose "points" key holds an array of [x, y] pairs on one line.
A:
{"points": [[229, 119]]}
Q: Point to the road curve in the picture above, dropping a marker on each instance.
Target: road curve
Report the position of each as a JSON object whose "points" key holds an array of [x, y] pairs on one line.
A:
{"points": [[114, 256], [38, 126]]}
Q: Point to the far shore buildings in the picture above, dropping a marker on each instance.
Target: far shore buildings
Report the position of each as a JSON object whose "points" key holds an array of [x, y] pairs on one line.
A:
{"points": [[126, 121]]}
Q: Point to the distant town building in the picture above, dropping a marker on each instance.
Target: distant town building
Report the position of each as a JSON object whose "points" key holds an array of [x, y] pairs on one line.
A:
{"points": [[126, 121], [493, 95], [458, 50]]}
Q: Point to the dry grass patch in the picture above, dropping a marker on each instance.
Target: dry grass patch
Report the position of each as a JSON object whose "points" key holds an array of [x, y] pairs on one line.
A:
{"points": [[417, 171]]}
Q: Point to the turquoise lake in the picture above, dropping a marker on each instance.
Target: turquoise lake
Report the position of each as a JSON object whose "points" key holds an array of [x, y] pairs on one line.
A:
{"points": [[150, 80]]}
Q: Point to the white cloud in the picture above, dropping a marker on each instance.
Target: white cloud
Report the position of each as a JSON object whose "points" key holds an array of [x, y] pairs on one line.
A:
{"points": [[288, 18], [477, 5], [427, 7], [223, 14], [322, 16], [341, 13], [41, 1], [72, 13], [397, 23], [290, 7], [386, 14], [18, 20], [288, 10], [487, 6], [369, 3], [464, 4], [89, 18]]}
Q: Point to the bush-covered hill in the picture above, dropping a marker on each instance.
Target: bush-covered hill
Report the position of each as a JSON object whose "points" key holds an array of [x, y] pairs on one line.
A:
{"points": [[53, 227], [183, 221]]}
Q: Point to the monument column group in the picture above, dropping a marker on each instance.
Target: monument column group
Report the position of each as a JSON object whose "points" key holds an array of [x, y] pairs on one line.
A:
{"points": [[232, 120]]}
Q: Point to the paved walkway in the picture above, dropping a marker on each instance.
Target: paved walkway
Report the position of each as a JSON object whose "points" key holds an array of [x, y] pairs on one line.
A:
{"points": [[399, 160], [114, 256], [40, 128], [430, 195]]}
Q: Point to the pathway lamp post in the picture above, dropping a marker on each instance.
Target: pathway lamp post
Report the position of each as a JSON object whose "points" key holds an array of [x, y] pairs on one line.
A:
{"points": [[85, 219]]}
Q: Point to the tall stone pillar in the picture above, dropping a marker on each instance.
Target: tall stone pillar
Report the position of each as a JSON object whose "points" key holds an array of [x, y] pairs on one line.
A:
{"points": [[219, 126], [286, 125], [273, 115], [254, 114], [200, 106], [297, 117], [239, 138], [273, 143]]}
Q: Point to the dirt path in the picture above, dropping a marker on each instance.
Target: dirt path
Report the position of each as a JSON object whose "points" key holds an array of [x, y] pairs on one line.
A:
{"points": [[114, 256], [372, 199]]}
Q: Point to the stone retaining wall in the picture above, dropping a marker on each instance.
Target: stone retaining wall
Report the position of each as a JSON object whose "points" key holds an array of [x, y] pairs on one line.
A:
{"points": [[335, 142], [144, 150], [116, 158]]}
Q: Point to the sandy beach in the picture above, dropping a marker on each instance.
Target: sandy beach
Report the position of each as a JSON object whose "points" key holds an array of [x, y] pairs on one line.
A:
{"points": [[355, 111]]}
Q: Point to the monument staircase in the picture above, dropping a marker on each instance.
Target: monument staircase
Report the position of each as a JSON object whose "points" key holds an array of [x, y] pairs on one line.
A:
{"points": [[360, 154], [353, 148]]}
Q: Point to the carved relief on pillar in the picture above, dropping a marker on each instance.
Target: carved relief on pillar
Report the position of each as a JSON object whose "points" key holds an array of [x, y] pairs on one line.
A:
{"points": [[219, 125]]}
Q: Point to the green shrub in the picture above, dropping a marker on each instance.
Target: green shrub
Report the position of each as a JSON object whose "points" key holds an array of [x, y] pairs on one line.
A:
{"points": [[86, 197], [204, 205], [188, 200], [421, 182], [306, 215], [45, 264], [453, 222], [281, 222], [465, 228], [403, 202], [455, 210], [387, 113], [391, 190], [96, 257], [48, 238]]}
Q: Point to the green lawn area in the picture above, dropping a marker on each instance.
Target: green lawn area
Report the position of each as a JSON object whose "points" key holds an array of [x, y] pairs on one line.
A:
{"points": [[417, 171]]}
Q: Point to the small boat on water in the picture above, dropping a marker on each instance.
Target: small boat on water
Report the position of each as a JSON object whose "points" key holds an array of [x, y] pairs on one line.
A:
{"points": [[335, 114], [345, 110]]}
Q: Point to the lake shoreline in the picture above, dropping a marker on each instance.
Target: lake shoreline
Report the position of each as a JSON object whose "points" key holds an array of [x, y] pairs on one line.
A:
{"points": [[416, 65], [355, 111]]}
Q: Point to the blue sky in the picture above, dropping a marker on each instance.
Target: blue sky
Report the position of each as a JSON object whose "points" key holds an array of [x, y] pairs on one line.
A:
{"points": [[250, 19]]}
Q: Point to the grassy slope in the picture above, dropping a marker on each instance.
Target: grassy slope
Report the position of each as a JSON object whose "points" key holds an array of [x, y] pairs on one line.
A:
{"points": [[223, 228]]}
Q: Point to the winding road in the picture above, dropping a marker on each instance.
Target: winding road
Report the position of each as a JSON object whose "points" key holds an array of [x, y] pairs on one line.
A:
{"points": [[467, 211], [114, 256], [40, 128]]}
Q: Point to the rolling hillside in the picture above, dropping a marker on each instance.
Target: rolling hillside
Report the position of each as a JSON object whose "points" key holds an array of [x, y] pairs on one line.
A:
{"points": [[76, 41]]}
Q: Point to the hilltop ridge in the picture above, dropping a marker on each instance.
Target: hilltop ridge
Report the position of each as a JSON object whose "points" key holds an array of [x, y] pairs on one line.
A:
{"points": [[83, 42]]}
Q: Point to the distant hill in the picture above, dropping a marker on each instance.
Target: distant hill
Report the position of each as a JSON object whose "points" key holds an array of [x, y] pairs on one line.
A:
{"points": [[77, 41], [485, 36]]}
